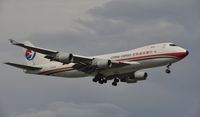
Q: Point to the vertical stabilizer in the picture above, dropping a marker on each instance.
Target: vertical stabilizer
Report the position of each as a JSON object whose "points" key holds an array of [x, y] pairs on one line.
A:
{"points": [[34, 58]]}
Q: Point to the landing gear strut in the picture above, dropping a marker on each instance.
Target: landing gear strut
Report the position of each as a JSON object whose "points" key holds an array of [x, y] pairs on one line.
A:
{"points": [[168, 71]]}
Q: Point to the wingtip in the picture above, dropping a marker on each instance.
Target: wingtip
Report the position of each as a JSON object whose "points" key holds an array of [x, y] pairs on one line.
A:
{"points": [[7, 63], [12, 41]]}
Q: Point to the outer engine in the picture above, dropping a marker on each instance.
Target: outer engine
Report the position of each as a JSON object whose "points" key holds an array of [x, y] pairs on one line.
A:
{"points": [[137, 76], [65, 58], [102, 63]]}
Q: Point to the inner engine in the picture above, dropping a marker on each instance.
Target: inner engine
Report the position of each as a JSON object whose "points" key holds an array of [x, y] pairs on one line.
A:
{"points": [[137, 76], [102, 63]]}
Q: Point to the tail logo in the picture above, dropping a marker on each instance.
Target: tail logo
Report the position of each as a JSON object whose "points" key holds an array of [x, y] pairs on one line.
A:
{"points": [[30, 55]]}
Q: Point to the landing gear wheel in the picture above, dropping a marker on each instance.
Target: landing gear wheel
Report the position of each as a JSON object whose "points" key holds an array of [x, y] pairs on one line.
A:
{"points": [[94, 79], [116, 80], [167, 71], [101, 81], [114, 84], [98, 78], [104, 81]]}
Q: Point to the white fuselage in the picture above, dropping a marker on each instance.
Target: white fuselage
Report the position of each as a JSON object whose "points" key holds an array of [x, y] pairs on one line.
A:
{"points": [[148, 56]]}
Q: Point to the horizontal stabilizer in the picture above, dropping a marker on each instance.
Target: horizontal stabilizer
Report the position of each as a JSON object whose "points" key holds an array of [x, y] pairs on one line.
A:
{"points": [[25, 67]]}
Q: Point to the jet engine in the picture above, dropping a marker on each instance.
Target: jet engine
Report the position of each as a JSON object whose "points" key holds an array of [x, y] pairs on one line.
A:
{"points": [[137, 76], [102, 63], [65, 58], [130, 80], [140, 75]]}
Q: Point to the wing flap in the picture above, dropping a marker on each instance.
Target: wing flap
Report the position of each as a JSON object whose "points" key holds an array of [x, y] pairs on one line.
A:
{"points": [[25, 67]]}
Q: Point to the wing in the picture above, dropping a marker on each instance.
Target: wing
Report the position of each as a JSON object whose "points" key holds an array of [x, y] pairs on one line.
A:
{"points": [[25, 67], [36, 49], [83, 63]]}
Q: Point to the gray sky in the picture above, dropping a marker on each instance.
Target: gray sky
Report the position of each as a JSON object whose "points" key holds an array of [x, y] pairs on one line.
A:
{"points": [[91, 27]]}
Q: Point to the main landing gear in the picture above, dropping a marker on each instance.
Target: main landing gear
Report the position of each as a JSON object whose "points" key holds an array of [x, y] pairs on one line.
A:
{"points": [[114, 83], [168, 71], [101, 79]]}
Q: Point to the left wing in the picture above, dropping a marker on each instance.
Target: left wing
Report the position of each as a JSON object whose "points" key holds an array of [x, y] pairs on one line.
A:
{"points": [[36, 49], [85, 64], [51, 54], [24, 67]]}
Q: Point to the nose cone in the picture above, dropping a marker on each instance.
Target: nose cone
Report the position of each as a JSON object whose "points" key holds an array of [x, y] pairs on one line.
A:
{"points": [[187, 52], [184, 54]]}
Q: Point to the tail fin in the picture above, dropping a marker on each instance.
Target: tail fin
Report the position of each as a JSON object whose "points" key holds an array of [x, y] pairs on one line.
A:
{"points": [[34, 58]]}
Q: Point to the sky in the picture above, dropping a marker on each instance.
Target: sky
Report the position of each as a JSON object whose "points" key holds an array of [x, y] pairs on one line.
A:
{"points": [[92, 27]]}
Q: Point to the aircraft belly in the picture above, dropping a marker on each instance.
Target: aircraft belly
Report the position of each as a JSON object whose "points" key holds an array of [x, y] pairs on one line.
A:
{"points": [[72, 74]]}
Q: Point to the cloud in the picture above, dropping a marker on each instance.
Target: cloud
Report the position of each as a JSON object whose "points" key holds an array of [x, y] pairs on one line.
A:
{"points": [[141, 21], [180, 12], [142, 10], [63, 109], [1, 5], [23, 17]]}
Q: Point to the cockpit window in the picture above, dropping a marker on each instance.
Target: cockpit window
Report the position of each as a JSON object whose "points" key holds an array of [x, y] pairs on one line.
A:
{"points": [[172, 44]]}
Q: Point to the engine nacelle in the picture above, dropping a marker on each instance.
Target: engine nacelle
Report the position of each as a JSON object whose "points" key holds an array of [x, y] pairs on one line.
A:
{"points": [[65, 58], [102, 63], [130, 80], [140, 75], [133, 78]]}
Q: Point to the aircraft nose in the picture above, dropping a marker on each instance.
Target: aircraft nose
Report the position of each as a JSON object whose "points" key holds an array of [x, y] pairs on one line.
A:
{"points": [[187, 52], [183, 53]]}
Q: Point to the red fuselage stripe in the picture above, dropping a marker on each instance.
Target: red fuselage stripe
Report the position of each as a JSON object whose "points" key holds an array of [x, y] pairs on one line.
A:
{"points": [[177, 55]]}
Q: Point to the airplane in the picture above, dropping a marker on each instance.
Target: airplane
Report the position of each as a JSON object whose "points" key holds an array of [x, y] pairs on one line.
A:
{"points": [[120, 67]]}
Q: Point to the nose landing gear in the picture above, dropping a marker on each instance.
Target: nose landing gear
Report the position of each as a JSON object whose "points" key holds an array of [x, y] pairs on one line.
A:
{"points": [[168, 71]]}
